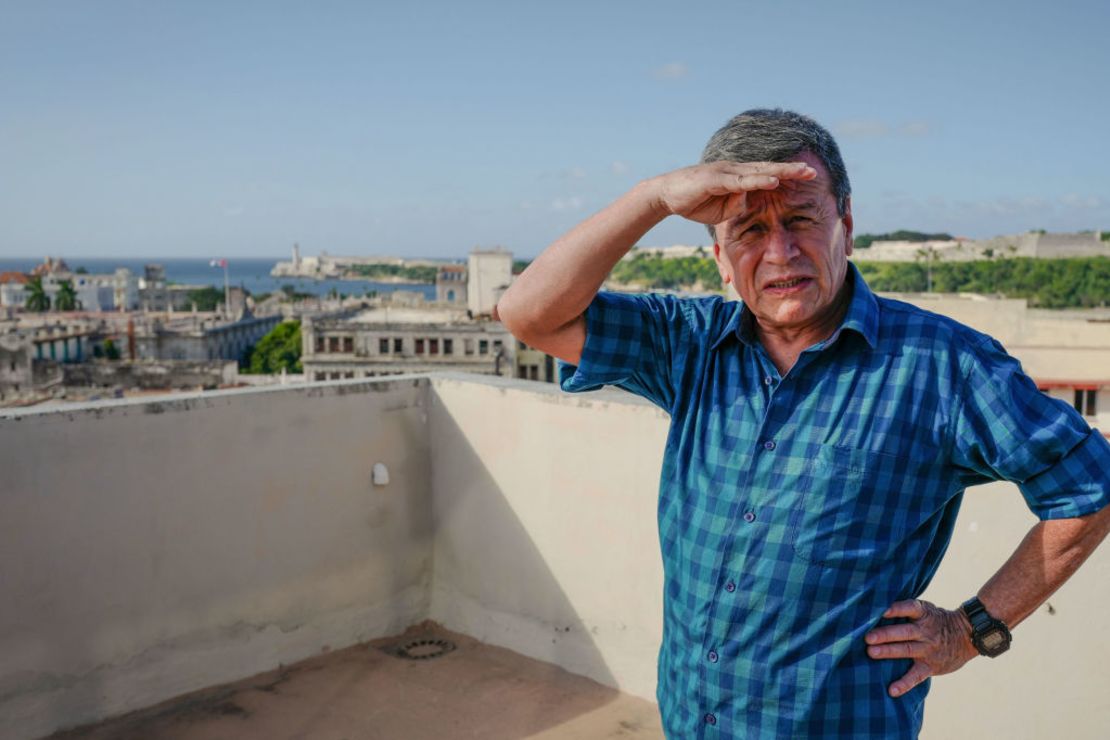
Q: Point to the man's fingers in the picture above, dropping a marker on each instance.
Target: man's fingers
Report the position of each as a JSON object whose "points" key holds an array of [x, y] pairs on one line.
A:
{"points": [[912, 608], [758, 182], [893, 633], [784, 170], [917, 673], [897, 650]]}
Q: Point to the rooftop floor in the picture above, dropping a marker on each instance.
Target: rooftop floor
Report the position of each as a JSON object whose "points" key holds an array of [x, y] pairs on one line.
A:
{"points": [[366, 692]]}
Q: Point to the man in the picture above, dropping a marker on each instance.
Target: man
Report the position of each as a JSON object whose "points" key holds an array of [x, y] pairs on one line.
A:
{"points": [[821, 439]]}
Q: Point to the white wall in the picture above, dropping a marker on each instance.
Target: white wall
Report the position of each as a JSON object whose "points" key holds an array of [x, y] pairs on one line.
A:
{"points": [[150, 549], [545, 529], [153, 548]]}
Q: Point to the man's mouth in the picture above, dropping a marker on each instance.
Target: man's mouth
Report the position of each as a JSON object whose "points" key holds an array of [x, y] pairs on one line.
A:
{"points": [[788, 283]]}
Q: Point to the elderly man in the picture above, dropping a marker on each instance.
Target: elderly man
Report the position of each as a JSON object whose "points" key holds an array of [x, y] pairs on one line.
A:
{"points": [[821, 439]]}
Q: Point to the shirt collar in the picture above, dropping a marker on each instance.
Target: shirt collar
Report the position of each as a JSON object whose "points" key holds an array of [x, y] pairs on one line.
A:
{"points": [[862, 317]]}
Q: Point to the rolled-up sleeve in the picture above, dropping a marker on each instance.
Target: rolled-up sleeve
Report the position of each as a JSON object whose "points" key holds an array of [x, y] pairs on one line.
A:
{"points": [[632, 342], [1007, 429]]}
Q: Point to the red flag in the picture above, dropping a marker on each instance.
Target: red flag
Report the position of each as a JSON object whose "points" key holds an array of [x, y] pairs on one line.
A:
{"points": [[218, 263]]}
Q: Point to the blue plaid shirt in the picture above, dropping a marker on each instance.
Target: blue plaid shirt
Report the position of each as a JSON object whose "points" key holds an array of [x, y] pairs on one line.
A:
{"points": [[794, 510]]}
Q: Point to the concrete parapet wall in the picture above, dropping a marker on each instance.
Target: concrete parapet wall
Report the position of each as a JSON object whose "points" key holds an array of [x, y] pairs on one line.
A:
{"points": [[153, 548], [545, 531], [156, 548]]}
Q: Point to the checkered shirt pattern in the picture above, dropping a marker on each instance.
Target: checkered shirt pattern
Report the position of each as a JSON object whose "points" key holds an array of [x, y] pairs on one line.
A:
{"points": [[794, 510]]}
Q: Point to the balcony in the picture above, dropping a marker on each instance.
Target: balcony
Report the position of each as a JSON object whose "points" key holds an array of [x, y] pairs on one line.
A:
{"points": [[215, 551]]}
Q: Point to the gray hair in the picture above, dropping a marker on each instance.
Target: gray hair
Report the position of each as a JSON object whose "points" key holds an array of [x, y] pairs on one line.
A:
{"points": [[777, 135]]}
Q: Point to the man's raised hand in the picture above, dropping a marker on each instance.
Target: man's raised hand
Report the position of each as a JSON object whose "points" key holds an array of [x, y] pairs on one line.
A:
{"points": [[715, 192]]}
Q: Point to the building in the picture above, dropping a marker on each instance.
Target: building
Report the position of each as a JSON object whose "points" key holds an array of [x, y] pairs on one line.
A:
{"points": [[16, 354], [389, 340], [201, 337], [489, 273], [1066, 352], [451, 283]]}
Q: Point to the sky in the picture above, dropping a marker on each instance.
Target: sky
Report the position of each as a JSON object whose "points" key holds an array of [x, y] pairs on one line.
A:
{"points": [[232, 128]]}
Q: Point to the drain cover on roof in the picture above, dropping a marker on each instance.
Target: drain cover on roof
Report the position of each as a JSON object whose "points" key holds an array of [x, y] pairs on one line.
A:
{"points": [[425, 649]]}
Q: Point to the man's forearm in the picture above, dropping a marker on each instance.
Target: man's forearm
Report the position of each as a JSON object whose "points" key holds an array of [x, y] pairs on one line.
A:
{"points": [[1051, 552], [559, 284]]}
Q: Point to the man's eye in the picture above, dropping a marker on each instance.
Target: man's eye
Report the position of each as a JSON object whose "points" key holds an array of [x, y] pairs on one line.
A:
{"points": [[800, 221]]}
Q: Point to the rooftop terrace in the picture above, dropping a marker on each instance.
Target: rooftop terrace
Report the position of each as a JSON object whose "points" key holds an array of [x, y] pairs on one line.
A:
{"points": [[160, 547]]}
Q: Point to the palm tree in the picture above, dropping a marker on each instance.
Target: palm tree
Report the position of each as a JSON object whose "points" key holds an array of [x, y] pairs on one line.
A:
{"points": [[37, 300], [66, 298]]}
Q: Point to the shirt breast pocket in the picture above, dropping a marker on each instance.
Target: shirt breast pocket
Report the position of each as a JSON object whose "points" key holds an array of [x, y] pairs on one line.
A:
{"points": [[856, 507]]}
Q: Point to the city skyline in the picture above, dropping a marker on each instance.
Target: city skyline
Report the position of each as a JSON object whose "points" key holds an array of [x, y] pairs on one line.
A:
{"points": [[185, 131]]}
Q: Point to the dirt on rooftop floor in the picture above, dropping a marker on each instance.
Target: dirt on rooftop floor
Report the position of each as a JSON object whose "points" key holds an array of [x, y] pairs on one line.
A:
{"points": [[370, 692]]}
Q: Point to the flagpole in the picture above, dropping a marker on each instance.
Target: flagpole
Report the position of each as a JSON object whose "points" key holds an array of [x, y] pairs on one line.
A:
{"points": [[227, 293]]}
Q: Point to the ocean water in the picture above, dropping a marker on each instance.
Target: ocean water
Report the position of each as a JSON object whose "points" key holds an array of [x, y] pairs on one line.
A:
{"points": [[250, 273]]}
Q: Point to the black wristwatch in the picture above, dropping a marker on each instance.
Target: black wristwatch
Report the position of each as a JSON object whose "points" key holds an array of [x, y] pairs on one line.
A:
{"points": [[990, 636]]}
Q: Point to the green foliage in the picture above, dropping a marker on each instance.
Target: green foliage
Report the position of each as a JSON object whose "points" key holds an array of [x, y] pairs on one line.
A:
{"points": [[412, 274], [1057, 283], [863, 241], [652, 271], [81, 271], [111, 351], [292, 294], [278, 350], [37, 299], [66, 298], [207, 298], [520, 265], [1104, 236]]}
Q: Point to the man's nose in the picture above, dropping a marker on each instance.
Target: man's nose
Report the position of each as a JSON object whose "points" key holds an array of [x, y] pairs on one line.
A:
{"points": [[780, 247]]}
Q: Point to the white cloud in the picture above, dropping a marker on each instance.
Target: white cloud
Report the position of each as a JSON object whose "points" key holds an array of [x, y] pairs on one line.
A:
{"points": [[915, 128], [572, 203], [861, 129], [1083, 202], [672, 71], [871, 128]]}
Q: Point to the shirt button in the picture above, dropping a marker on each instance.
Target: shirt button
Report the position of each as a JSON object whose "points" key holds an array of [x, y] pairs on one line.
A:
{"points": [[769, 445], [710, 719], [768, 380], [730, 587], [749, 517], [712, 656]]}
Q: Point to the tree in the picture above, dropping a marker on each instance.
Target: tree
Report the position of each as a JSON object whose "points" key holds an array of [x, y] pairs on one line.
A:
{"points": [[279, 350], [37, 299], [66, 297], [206, 298], [111, 351]]}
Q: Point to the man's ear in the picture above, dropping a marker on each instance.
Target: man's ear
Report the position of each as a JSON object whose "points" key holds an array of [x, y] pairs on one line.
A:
{"points": [[725, 277], [846, 219]]}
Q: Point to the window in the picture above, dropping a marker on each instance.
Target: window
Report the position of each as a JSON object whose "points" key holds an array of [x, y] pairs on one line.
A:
{"points": [[534, 372], [468, 346], [419, 346], [433, 346], [448, 347], [398, 344], [497, 344], [383, 346], [333, 376], [522, 372], [349, 374], [1085, 401], [521, 345], [483, 346], [348, 344], [333, 344]]}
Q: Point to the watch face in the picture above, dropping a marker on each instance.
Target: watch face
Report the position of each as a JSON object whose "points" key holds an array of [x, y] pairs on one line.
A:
{"points": [[993, 640]]}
